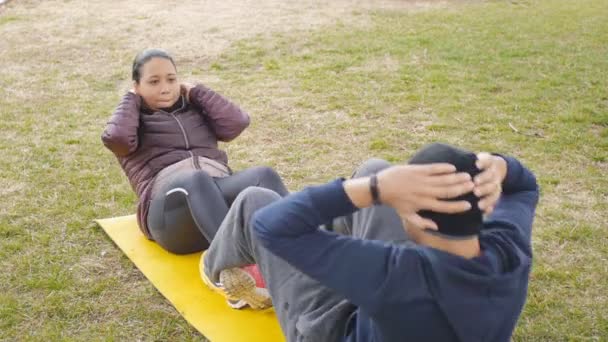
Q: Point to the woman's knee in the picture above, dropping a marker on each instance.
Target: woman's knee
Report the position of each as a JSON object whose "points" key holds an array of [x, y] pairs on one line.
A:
{"points": [[268, 178], [265, 173], [370, 166]]}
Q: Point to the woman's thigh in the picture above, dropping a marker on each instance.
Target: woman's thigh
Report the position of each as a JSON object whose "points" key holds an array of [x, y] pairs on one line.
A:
{"points": [[184, 215], [260, 176]]}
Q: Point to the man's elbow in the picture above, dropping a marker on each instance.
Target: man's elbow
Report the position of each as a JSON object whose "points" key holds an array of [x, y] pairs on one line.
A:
{"points": [[536, 196], [535, 188]]}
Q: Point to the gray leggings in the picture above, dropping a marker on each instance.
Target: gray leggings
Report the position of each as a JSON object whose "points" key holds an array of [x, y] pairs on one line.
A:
{"points": [[185, 215]]}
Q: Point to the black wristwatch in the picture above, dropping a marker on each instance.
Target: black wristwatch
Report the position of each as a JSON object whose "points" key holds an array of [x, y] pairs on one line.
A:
{"points": [[373, 188]]}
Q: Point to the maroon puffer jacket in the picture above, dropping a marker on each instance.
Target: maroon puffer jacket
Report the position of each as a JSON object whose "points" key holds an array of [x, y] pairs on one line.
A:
{"points": [[146, 142]]}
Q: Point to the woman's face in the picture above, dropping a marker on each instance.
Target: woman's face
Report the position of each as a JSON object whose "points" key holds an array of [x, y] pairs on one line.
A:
{"points": [[158, 85]]}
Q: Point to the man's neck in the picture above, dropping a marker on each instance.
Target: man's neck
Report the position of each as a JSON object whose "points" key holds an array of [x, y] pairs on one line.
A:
{"points": [[467, 249]]}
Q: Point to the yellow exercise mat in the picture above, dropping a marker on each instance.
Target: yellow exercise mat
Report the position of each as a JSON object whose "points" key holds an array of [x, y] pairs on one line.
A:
{"points": [[177, 278]]}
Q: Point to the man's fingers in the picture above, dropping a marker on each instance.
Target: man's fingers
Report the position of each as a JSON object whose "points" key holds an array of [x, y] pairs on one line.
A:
{"points": [[487, 175], [489, 201], [484, 160], [486, 189], [448, 179], [421, 222], [447, 207], [450, 191], [436, 168]]}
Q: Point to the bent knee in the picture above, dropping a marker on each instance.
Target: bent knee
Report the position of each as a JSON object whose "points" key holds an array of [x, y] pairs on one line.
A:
{"points": [[268, 178], [258, 194], [266, 174], [371, 166]]}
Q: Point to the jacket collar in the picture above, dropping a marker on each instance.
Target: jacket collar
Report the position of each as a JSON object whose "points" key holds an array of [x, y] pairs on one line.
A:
{"points": [[179, 105]]}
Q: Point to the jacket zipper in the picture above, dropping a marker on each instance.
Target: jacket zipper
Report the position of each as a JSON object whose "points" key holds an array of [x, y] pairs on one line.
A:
{"points": [[181, 127]]}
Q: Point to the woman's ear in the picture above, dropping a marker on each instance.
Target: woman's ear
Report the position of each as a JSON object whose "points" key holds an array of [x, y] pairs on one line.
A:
{"points": [[135, 89]]}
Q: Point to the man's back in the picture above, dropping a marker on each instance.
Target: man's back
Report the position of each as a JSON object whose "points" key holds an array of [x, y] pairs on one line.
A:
{"points": [[448, 298], [412, 292]]}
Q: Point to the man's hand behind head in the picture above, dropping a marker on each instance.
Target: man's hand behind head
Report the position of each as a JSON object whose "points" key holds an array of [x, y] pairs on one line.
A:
{"points": [[488, 184], [411, 188]]}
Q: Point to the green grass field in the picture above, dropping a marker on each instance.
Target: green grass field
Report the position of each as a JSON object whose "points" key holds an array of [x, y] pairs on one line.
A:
{"points": [[525, 78]]}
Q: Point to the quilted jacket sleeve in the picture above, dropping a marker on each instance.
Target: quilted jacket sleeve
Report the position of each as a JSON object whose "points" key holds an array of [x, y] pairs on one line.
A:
{"points": [[225, 117], [120, 135]]}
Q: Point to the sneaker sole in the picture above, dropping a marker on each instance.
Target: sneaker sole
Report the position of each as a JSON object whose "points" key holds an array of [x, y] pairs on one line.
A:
{"points": [[239, 284], [232, 302]]}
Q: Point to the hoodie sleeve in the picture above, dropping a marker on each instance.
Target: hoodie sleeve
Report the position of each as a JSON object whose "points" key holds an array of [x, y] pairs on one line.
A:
{"points": [[358, 269], [225, 117], [120, 135], [517, 204]]}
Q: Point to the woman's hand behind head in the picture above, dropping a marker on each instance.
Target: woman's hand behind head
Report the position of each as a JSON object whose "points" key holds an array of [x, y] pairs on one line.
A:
{"points": [[185, 88]]}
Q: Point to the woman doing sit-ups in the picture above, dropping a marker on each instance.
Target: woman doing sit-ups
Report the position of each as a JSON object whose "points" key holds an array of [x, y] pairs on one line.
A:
{"points": [[165, 135]]}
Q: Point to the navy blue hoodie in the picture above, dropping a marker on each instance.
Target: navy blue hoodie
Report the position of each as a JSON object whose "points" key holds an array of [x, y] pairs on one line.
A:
{"points": [[412, 292]]}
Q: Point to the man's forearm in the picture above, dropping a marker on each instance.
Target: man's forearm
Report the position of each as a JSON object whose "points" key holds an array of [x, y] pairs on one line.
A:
{"points": [[358, 191]]}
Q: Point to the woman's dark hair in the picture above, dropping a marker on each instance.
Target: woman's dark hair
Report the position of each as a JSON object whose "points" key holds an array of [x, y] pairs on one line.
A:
{"points": [[143, 58]]}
